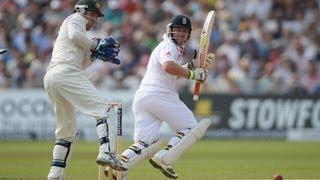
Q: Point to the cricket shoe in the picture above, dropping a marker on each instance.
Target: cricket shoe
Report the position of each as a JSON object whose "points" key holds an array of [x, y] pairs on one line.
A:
{"points": [[165, 169], [56, 173], [109, 159]]}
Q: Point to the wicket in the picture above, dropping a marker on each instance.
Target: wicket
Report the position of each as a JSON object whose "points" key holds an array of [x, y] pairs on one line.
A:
{"points": [[117, 110]]}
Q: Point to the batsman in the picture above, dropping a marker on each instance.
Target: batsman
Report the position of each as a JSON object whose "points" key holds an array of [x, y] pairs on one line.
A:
{"points": [[69, 88], [157, 101]]}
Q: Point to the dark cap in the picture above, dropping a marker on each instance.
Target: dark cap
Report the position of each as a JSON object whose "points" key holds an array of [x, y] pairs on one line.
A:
{"points": [[180, 21]]}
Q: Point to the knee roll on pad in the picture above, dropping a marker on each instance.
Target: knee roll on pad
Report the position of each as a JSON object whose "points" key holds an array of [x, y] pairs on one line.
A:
{"points": [[180, 143], [138, 152]]}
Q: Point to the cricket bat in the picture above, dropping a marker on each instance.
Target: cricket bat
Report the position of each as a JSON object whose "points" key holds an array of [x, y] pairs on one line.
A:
{"points": [[203, 49]]}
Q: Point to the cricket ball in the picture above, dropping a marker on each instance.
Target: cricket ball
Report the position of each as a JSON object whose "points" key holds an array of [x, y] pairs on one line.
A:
{"points": [[277, 177]]}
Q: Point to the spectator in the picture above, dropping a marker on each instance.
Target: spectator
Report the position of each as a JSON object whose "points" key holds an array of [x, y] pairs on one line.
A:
{"points": [[277, 38], [311, 79]]}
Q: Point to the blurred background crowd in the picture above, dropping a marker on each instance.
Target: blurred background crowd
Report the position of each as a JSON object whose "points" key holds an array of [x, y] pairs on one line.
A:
{"points": [[261, 47]]}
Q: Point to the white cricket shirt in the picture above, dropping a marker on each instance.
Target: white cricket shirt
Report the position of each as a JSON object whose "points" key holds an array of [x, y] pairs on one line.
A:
{"points": [[155, 78], [72, 43]]}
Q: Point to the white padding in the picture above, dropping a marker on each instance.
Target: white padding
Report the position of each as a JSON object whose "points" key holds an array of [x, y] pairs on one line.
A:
{"points": [[146, 152], [62, 151], [186, 142], [108, 129]]}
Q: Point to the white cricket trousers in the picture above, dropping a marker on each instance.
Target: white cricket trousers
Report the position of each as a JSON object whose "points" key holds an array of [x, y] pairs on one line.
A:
{"points": [[69, 88], [151, 109]]}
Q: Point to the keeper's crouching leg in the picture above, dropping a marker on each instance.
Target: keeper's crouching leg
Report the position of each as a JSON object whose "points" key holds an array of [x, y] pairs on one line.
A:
{"points": [[137, 153], [164, 159]]}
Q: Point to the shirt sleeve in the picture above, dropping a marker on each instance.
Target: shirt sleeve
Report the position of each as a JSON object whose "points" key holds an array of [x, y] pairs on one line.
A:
{"points": [[168, 53], [77, 33], [87, 62]]}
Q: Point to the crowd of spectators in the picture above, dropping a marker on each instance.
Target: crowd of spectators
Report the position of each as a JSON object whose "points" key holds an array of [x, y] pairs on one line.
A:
{"points": [[269, 46]]}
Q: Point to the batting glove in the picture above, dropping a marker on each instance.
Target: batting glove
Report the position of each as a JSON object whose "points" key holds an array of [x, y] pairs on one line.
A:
{"points": [[210, 58], [199, 74], [191, 65]]}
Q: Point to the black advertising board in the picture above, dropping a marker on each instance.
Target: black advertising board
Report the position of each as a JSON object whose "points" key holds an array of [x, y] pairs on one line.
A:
{"points": [[256, 116]]}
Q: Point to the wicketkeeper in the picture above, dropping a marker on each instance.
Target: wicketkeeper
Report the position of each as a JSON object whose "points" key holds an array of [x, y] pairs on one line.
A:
{"points": [[69, 88]]}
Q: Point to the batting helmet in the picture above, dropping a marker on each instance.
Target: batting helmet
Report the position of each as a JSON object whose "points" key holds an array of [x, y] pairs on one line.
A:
{"points": [[179, 21], [88, 5]]}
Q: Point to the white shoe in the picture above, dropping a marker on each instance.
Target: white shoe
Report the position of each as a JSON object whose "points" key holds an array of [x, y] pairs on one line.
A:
{"points": [[109, 159], [56, 173], [165, 169]]}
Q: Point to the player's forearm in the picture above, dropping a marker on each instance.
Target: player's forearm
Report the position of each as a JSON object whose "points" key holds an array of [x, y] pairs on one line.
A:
{"points": [[175, 69]]}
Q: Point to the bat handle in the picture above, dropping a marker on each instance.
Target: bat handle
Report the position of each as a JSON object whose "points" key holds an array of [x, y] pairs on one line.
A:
{"points": [[196, 91], [195, 97]]}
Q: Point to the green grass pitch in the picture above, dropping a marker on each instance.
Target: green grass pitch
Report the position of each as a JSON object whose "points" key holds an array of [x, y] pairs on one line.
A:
{"points": [[208, 159]]}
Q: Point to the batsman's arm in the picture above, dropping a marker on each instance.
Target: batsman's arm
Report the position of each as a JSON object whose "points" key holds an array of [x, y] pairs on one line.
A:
{"points": [[173, 68]]}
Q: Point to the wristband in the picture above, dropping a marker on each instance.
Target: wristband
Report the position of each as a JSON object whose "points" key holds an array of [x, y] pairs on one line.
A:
{"points": [[191, 74]]}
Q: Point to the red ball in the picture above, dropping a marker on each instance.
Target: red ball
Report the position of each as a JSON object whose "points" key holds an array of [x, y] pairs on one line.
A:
{"points": [[277, 177]]}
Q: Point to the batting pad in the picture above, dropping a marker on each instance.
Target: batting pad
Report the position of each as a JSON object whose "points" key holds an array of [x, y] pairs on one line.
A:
{"points": [[186, 142], [145, 153]]}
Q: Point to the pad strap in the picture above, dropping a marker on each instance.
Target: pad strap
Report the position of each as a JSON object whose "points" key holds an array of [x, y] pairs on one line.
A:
{"points": [[102, 121], [58, 163], [63, 143], [138, 152], [103, 140]]}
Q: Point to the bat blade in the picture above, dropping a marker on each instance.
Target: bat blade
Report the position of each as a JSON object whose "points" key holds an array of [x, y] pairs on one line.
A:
{"points": [[203, 49]]}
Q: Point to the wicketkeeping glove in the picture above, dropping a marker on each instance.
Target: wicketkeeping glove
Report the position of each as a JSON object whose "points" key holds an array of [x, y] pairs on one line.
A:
{"points": [[198, 74], [106, 50]]}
